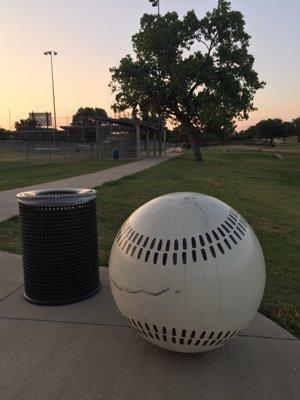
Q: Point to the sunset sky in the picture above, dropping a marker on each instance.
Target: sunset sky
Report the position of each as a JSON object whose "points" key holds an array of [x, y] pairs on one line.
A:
{"points": [[92, 35]]}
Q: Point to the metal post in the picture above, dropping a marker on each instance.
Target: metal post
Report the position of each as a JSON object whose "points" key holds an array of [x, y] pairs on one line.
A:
{"points": [[98, 132], [138, 140], [165, 140], [50, 53], [147, 143], [82, 131], [53, 93], [159, 137], [9, 117], [27, 154]]}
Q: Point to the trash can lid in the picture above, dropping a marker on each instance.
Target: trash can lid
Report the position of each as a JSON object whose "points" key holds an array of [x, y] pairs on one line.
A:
{"points": [[60, 196]]}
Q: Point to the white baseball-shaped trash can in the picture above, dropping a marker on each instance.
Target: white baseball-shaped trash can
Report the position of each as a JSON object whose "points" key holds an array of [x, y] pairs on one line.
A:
{"points": [[187, 271]]}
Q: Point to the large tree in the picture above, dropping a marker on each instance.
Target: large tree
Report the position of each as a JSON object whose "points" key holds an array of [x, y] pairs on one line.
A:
{"points": [[296, 128], [196, 72], [270, 129], [84, 116], [287, 130]]}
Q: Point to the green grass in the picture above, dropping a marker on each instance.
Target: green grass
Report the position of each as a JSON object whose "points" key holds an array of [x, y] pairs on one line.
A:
{"points": [[14, 174], [263, 188]]}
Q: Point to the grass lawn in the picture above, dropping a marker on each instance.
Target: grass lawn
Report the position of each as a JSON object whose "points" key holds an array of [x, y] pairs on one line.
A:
{"points": [[263, 188], [14, 174]]}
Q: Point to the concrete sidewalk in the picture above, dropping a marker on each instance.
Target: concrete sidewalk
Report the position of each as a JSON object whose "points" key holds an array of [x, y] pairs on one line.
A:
{"points": [[87, 351], [8, 201]]}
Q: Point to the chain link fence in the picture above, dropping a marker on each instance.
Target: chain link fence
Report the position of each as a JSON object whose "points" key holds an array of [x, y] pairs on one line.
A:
{"points": [[33, 152]]}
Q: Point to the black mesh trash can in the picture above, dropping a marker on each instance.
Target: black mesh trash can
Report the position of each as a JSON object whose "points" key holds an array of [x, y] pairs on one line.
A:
{"points": [[59, 239]]}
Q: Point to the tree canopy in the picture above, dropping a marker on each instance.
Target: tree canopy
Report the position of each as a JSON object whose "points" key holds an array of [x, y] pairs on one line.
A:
{"points": [[85, 115], [196, 72], [296, 127], [270, 128], [26, 125]]}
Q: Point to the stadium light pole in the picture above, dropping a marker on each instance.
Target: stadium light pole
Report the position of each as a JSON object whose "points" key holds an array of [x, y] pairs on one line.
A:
{"points": [[155, 3], [52, 53]]}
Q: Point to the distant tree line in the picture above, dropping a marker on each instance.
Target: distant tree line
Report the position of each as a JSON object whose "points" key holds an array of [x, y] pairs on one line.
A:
{"points": [[85, 116], [270, 129]]}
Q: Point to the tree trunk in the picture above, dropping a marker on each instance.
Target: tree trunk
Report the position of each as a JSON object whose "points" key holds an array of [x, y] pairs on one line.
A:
{"points": [[284, 139], [195, 147], [193, 142]]}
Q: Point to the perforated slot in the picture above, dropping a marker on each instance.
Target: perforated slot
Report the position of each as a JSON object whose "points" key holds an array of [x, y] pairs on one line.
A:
{"points": [[243, 222], [227, 244], [194, 255], [222, 233], [231, 220], [156, 332], [159, 246], [131, 235], [225, 228], [233, 239], [208, 238], [140, 239], [215, 235], [237, 235], [147, 255], [139, 253], [212, 250], [220, 248], [203, 252], [201, 241], [241, 226], [228, 224], [135, 237], [165, 257], [239, 229], [152, 243], [148, 330], [175, 258]]}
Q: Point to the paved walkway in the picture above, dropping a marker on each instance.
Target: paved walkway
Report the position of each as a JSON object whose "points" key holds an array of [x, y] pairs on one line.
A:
{"points": [[87, 351], [8, 201]]}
